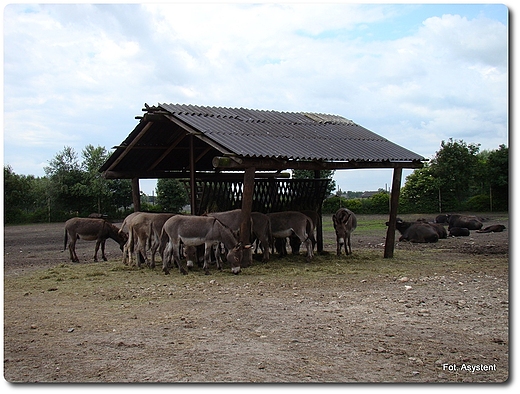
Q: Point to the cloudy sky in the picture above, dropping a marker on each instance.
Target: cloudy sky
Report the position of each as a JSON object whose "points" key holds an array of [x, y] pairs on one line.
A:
{"points": [[416, 74]]}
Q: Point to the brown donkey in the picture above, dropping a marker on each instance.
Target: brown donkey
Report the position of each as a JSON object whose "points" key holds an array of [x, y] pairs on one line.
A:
{"points": [[89, 229]]}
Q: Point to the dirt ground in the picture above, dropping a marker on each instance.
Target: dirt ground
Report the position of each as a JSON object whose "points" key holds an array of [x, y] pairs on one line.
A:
{"points": [[433, 313]]}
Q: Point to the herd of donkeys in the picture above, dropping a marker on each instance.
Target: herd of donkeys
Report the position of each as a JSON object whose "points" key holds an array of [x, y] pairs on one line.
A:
{"points": [[196, 236]]}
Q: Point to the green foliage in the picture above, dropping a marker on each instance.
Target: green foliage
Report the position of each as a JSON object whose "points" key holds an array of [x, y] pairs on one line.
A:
{"points": [[377, 204], [454, 177], [324, 174], [171, 195], [478, 203], [420, 192], [459, 177], [70, 188]]}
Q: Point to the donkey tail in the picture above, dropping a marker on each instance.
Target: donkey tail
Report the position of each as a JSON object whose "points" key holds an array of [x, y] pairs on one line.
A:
{"points": [[65, 241]]}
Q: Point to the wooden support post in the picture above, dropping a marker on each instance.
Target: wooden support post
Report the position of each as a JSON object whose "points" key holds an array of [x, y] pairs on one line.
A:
{"points": [[193, 186], [319, 225], [136, 195], [394, 205], [247, 207]]}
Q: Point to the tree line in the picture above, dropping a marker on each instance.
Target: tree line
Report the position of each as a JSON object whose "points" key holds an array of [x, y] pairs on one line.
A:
{"points": [[458, 178], [73, 186]]}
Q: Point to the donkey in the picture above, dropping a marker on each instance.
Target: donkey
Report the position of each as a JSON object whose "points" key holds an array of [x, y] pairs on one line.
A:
{"points": [[145, 229], [345, 222], [90, 229], [260, 227], [295, 241], [198, 230], [293, 223]]}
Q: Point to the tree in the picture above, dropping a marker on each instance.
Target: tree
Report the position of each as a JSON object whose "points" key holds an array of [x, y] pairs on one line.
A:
{"points": [[459, 177], [99, 191], [324, 174], [498, 176], [171, 195], [455, 167], [120, 191], [420, 192], [17, 196], [68, 187]]}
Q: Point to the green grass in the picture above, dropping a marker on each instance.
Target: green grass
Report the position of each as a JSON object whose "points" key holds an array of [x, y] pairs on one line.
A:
{"points": [[115, 281], [367, 224]]}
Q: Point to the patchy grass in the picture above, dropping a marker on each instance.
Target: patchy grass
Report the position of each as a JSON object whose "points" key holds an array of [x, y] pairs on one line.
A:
{"points": [[114, 281]]}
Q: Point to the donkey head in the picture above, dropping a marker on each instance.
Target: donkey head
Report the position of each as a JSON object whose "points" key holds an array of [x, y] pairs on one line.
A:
{"points": [[341, 226], [234, 257]]}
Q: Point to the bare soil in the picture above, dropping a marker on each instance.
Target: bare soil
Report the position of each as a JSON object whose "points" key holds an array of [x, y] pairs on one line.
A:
{"points": [[433, 313]]}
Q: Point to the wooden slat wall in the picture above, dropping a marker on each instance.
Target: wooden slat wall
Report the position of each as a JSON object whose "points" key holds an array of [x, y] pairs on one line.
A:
{"points": [[270, 195]]}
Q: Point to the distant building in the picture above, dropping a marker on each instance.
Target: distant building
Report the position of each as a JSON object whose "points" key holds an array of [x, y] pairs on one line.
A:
{"points": [[368, 194]]}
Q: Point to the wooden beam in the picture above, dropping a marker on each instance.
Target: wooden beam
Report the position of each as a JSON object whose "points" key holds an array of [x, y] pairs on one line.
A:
{"points": [[167, 151], [319, 225], [186, 175], [394, 205], [131, 145], [228, 163]]}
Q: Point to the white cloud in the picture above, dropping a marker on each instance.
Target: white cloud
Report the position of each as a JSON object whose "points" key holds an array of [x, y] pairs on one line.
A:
{"points": [[78, 74]]}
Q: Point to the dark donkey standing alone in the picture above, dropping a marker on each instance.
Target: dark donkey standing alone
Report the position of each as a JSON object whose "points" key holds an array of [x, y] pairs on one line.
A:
{"points": [[89, 229], [345, 222]]}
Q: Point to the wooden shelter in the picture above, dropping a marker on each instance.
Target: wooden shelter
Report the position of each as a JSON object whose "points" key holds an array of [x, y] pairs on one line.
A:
{"points": [[249, 148]]}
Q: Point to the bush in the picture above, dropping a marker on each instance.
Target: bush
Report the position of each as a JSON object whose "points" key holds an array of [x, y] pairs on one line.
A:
{"points": [[332, 204], [377, 204], [479, 203]]}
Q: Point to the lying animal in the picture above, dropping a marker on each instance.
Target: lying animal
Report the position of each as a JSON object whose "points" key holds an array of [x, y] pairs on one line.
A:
{"points": [[495, 228], [418, 232], [459, 232], [469, 222]]}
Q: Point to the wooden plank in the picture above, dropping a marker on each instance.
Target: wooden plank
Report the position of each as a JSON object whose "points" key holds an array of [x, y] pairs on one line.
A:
{"points": [[131, 145], [193, 197], [278, 164], [186, 175]]}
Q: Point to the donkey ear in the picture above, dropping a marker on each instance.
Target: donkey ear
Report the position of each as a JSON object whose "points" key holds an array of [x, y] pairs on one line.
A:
{"points": [[247, 246]]}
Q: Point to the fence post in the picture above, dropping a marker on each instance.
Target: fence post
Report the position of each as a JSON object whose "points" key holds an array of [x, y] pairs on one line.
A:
{"points": [[394, 205]]}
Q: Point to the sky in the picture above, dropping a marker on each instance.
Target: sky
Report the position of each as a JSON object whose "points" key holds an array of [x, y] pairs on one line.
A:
{"points": [[416, 74]]}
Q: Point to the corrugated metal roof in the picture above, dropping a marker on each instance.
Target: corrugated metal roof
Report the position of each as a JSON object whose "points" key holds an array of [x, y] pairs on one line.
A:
{"points": [[159, 142], [289, 135]]}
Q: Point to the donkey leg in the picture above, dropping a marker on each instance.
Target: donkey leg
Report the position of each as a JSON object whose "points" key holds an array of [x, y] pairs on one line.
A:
{"points": [[167, 255], [207, 257], [153, 249], [98, 242], [72, 250], [308, 244], [103, 250], [177, 258]]}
